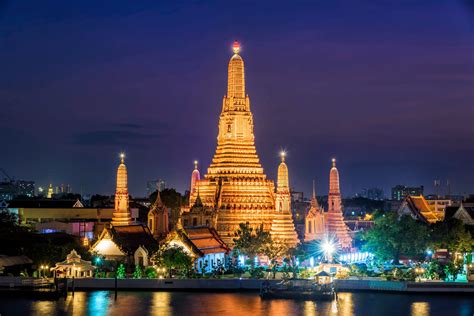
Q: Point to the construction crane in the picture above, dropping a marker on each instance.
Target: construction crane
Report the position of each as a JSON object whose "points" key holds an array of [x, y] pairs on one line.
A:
{"points": [[7, 176]]}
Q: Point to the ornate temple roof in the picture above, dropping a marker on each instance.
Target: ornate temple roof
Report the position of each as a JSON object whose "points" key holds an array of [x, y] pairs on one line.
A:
{"points": [[417, 207], [158, 206], [200, 240], [129, 237]]}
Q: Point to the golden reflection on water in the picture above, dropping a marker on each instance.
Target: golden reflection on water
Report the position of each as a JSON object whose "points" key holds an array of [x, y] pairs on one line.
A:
{"points": [[345, 305], [420, 309], [310, 308], [43, 308], [161, 304]]}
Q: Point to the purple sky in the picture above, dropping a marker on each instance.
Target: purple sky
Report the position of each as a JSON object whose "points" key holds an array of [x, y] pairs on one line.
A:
{"points": [[387, 87]]}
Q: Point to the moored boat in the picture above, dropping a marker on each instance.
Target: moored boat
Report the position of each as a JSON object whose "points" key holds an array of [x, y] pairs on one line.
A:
{"points": [[299, 289]]}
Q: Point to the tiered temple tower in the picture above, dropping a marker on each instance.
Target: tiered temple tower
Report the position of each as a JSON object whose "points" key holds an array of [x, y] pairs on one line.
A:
{"points": [[335, 220], [121, 215], [315, 226], [235, 184], [283, 228], [195, 176]]}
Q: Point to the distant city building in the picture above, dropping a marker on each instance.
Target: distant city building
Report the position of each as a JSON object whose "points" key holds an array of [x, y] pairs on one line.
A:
{"points": [[400, 192], [155, 185], [372, 194], [14, 188], [68, 216]]}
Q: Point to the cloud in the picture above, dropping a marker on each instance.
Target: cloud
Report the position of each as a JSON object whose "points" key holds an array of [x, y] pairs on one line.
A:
{"points": [[119, 134]]}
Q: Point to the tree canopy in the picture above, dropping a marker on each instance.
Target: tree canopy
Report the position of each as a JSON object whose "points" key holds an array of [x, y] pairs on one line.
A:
{"points": [[392, 237], [250, 241], [175, 259]]}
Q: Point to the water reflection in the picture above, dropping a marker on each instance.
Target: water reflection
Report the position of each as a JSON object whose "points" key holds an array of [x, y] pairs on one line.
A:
{"points": [[161, 304], [102, 303], [98, 303], [43, 308], [420, 309], [345, 304], [309, 308]]}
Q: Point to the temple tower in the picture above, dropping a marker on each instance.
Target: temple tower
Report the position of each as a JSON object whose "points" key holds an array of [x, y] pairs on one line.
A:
{"points": [[335, 220], [235, 184], [195, 176], [121, 215], [158, 221], [283, 228], [315, 227]]}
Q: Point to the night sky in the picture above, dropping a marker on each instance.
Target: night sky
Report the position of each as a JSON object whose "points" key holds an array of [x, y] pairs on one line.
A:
{"points": [[386, 87]]}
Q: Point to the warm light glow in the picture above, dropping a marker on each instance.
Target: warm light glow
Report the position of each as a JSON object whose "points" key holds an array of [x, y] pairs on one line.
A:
{"points": [[328, 247], [122, 155], [236, 47]]}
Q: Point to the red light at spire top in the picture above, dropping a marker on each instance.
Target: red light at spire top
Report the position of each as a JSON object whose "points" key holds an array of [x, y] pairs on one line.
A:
{"points": [[236, 47]]}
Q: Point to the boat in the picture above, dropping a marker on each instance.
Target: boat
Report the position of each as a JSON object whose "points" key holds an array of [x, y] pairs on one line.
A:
{"points": [[299, 289]]}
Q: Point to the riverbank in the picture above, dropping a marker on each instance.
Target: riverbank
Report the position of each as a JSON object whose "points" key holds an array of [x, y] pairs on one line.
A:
{"points": [[403, 286], [239, 285]]}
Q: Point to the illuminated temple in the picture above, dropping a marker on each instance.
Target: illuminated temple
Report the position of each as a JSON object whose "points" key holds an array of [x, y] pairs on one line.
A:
{"points": [[336, 227], [121, 215], [235, 184]]}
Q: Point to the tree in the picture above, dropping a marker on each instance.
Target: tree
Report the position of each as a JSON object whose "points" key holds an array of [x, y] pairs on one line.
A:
{"points": [[251, 242], [392, 237], [294, 256], [274, 250], [121, 271], [452, 235], [452, 269], [174, 259], [137, 274]]}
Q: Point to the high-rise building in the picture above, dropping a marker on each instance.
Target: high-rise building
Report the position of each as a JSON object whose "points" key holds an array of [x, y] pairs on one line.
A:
{"points": [[399, 192], [372, 194], [16, 188], [235, 184], [155, 185], [121, 214], [335, 221]]}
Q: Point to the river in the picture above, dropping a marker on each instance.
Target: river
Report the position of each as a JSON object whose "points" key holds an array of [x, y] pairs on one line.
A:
{"points": [[100, 303]]}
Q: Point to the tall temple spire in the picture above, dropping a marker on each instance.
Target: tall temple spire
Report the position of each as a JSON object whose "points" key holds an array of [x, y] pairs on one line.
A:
{"points": [[314, 200], [195, 177], [283, 181], [283, 227], [236, 75], [335, 219], [121, 215]]}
